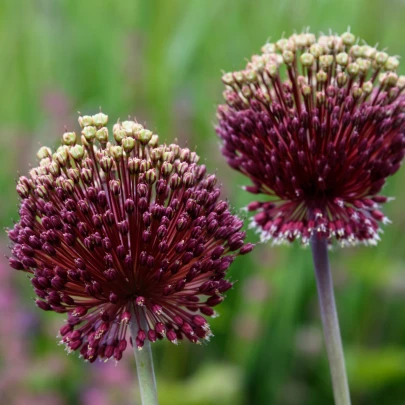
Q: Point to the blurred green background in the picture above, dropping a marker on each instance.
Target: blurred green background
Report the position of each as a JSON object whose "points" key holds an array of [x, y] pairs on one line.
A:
{"points": [[161, 61]]}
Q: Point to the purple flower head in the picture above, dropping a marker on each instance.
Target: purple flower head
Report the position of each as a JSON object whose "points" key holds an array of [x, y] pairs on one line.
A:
{"points": [[110, 229], [317, 124]]}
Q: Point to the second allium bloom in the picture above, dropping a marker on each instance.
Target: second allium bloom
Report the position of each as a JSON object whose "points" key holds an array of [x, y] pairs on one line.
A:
{"points": [[114, 233], [317, 124]]}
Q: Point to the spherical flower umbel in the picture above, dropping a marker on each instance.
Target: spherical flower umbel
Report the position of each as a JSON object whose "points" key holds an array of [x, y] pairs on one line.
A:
{"points": [[108, 230], [317, 124]]}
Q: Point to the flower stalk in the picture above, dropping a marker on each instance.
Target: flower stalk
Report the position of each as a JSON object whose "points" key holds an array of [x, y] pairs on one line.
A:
{"points": [[144, 360], [330, 320]]}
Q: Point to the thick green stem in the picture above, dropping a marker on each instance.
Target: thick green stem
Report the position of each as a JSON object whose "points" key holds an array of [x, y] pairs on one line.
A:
{"points": [[330, 320], [144, 361]]}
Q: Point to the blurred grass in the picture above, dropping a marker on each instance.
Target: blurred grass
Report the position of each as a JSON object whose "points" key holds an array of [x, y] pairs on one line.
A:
{"points": [[161, 61]]}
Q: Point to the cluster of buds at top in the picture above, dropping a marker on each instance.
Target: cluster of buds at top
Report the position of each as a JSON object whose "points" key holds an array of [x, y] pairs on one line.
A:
{"points": [[115, 232], [317, 124]]}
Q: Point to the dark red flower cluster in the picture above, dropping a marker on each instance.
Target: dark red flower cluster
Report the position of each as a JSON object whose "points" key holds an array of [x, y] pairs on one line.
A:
{"points": [[116, 233], [317, 124]]}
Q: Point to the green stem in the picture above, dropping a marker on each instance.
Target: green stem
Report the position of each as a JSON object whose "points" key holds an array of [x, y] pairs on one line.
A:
{"points": [[330, 320], [143, 358]]}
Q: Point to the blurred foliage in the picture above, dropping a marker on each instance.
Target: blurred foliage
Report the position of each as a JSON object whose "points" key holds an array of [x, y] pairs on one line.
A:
{"points": [[161, 61]]}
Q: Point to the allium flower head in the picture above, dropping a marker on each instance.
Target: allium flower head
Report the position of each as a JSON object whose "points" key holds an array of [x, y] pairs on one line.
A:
{"points": [[317, 124], [108, 230]]}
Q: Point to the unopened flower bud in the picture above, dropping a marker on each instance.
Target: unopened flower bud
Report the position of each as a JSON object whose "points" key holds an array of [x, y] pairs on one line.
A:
{"points": [[392, 63], [89, 133], [100, 120], [77, 152], [348, 38], [69, 138], [128, 144], [44, 152], [144, 136], [102, 135], [116, 152]]}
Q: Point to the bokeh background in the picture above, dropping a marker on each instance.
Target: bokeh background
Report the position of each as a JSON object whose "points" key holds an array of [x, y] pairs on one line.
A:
{"points": [[161, 61]]}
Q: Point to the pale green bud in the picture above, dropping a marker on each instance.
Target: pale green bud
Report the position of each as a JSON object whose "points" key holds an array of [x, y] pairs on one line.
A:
{"points": [[68, 185], [382, 77], [250, 76], [150, 176], [321, 77], [54, 169], [74, 175], [156, 154], [106, 163], [272, 70], [77, 152], [368, 52], [69, 138], [60, 158], [102, 135], [87, 175], [300, 40], [154, 141], [185, 154], [45, 162], [85, 121], [238, 77], [133, 165], [89, 133], [269, 48], [348, 38], [316, 50], [381, 58], [353, 69], [246, 91], [44, 152], [392, 63], [100, 119], [357, 92], [166, 169], [144, 136], [307, 59], [355, 50], [128, 144], [228, 79], [281, 43], [288, 57], [194, 158], [175, 149], [168, 156], [41, 191], [401, 82], [342, 59], [320, 97], [306, 90], [23, 190], [392, 79], [364, 65], [258, 65], [119, 135], [144, 166], [325, 61], [341, 79], [128, 126], [137, 129], [116, 152], [367, 87]]}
